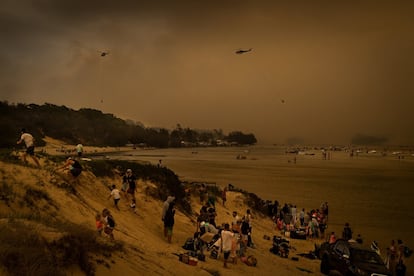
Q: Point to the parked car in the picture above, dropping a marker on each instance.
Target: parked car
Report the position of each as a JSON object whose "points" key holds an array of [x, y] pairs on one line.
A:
{"points": [[351, 258]]}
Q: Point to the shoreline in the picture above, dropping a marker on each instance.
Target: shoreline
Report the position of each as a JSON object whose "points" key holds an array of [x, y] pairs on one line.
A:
{"points": [[179, 161]]}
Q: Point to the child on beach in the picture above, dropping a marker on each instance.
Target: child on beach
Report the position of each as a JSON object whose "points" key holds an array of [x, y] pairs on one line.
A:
{"points": [[116, 195], [99, 223], [109, 223], [133, 206]]}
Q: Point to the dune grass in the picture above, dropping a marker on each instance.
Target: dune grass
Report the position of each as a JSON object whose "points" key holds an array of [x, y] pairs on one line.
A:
{"points": [[25, 252]]}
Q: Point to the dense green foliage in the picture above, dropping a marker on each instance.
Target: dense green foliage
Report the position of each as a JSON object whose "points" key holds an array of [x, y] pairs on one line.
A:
{"points": [[94, 128]]}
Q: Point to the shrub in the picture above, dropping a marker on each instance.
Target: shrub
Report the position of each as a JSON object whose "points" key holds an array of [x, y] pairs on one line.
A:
{"points": [[166, 180], [6, 192], [25, 252]]}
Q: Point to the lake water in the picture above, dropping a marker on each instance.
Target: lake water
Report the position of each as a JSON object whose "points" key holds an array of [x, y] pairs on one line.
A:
{"points": [[374, 193]]}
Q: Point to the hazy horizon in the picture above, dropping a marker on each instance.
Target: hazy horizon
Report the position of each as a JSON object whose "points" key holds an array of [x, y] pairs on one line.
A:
{"points": [[321, 71]]}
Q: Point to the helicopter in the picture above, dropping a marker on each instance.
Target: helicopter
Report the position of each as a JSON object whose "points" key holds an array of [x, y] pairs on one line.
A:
{"points": [[104, 54], [241, 51]]}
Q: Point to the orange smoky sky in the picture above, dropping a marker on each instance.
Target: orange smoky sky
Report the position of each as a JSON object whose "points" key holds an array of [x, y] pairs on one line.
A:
{"points": [[319, 71]]}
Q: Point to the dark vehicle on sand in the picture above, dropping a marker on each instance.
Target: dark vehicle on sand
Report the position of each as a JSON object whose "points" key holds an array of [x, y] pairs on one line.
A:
{"points": [[351, 258]]}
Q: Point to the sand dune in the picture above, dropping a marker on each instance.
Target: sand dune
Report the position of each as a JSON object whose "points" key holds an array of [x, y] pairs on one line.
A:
{"points": [[146, 250]]}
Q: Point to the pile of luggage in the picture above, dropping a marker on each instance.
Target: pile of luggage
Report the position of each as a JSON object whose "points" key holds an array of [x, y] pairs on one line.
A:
{"points": [[280, 247]]}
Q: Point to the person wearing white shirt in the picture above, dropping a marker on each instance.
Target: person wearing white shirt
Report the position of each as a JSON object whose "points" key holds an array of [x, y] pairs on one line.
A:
{"points": [[28, 140], [226, 243]]}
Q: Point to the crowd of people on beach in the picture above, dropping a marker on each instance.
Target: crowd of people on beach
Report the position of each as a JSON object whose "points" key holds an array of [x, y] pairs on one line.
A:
{"points": [[289, 220], [396, 257], [232, 238]]}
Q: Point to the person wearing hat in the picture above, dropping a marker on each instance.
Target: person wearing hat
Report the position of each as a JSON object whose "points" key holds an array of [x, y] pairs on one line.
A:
{"points": [[28, 140], [128, 184]]}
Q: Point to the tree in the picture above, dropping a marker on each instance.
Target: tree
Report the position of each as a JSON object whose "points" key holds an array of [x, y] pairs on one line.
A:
{"points": [[241, 138]]}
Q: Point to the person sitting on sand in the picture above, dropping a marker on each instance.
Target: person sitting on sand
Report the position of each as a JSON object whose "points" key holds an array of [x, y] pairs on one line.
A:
{"points": [[280, 224], [207, 227]]}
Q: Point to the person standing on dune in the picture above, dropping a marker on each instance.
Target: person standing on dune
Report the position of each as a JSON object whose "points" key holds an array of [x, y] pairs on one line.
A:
{"points": [[28, 140], [226, 243], [169, 221], [165, 208], [116, 196], [224, 196], [79, 150], [129, 185]]}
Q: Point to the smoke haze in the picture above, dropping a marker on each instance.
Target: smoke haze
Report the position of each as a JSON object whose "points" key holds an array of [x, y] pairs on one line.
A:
{"points": [[320, 71]]}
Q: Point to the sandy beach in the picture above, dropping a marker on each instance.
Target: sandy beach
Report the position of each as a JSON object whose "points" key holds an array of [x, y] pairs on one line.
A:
{"points": [[147, 252], [370, 191]]}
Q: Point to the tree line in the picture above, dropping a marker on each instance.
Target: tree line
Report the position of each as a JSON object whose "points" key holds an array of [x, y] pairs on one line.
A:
{"points": [[94, 128]]}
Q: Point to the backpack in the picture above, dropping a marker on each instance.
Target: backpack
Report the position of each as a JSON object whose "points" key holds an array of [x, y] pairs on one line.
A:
{"points": [[201, 257], [214, 253], [111, 222], [189, 244]]}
